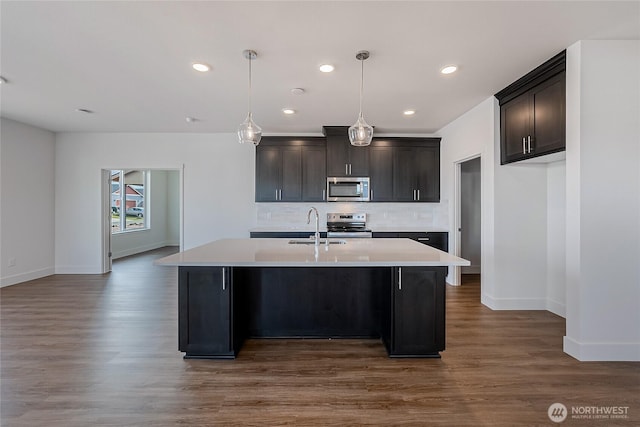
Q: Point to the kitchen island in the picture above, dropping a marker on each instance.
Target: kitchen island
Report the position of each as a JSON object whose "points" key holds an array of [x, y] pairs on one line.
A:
{"points": [[388, 289]]}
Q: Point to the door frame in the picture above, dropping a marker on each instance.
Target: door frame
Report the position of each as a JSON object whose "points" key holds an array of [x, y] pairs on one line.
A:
{"points": [[457, 237], [105, 208]]}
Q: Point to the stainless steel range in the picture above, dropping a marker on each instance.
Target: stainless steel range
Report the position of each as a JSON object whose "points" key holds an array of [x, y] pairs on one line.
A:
{"points": [[347, 225]]}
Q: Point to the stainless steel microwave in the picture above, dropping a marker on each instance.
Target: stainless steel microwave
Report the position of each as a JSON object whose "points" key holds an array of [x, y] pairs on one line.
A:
{"points": [[348, 189]]}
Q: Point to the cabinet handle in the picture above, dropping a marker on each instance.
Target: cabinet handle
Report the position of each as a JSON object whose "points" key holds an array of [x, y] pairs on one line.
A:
{"points": [[418, 194], [280, 196], [223, 279], [324, 192], [276, 194], [399, 278], [346, 168], [529, 144], [524, 146], [350, 168], [371, 194]]}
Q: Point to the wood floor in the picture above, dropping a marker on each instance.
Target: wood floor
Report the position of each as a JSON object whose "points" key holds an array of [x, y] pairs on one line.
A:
{"points": [[80, 350]]}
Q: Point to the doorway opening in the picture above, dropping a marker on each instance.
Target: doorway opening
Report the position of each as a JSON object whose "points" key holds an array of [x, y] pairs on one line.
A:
{"points": [[142, 210], [468, 241]]}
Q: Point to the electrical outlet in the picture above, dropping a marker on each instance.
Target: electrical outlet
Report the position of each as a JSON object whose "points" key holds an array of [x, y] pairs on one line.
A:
{"points": [[12, 262]]}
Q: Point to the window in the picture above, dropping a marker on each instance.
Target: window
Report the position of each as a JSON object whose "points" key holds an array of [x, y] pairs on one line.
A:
{"points": [[129, 200]]}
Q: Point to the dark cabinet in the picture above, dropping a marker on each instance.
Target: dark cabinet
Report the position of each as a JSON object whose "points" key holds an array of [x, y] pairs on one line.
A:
{"points": [[344, 159], [405, 169], [278, 174], [417, 327], [381, 173], [314, 173], [205, 326], [290, 169], [435, 239], [532, 113], [416, 174]]}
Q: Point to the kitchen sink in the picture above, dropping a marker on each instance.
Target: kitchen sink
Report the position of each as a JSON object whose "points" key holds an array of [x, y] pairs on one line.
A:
{"points": [[311, 242]]}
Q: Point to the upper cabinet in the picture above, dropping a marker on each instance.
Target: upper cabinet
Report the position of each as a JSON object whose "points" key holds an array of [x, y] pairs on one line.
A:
{"points": [[290, 169], [295, 169], [532, 113], [343, 159], [405, 170]]}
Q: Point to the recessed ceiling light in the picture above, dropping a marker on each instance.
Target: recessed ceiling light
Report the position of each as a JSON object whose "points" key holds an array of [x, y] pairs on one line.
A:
{"points": [[288, 111], [203, 68], [327, 68], [449, 69], [409, 112], [191, 119], [84, 110], [297, 91]]}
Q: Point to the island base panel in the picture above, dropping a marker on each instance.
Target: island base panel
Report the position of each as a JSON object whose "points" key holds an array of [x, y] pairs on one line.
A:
{"points": [[219, 307]]}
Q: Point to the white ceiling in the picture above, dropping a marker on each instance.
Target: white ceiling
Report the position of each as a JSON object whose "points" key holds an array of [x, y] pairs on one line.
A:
{"points": [[130, 62]]}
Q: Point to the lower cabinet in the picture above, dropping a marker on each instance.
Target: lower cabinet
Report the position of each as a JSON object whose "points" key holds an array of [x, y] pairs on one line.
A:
{"points": [[435, 239], [205, 307], [284, 234], [416, 325], [218, 307]]}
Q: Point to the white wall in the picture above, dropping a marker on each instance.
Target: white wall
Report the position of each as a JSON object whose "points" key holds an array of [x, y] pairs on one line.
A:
{"points": [[161, 206], [26, 202], [218, 183], [472, 134], [603, 200], [556, 242], [514, 212]]}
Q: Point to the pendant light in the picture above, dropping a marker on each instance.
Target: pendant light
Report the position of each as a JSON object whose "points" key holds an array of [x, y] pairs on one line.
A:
{"points": [[248, 130], [360, 134]]}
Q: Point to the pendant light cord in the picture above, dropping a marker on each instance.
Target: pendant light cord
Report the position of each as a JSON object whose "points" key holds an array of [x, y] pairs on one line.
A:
{"points": [[249, 100], [361, 83]]}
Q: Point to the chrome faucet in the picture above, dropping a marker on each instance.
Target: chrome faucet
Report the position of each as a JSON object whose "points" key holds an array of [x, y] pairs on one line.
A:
{"points": [[317, 235]]}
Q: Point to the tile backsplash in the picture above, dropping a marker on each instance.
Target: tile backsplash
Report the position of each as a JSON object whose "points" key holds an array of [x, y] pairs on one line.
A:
{"points": [[402, 216]]}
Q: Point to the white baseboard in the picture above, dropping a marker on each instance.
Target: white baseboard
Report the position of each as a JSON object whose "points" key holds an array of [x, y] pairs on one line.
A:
{"points": [[603, 352], [25, 277], [514, 303], [556, 308]]}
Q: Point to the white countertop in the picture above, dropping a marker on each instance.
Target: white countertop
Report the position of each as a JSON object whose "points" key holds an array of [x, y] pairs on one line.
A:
{"points": [[276, 229], [279, 253]]}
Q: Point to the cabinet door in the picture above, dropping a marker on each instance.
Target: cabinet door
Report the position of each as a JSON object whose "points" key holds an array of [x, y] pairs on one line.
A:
{"points": [[404, 175], [514, 126], [427, 161], [437, 239], [418, 318], [358, 160], [381, 173], [291, 187], [314, 174], [204, 312], [268, 173], [548, 118], [337, 156]]}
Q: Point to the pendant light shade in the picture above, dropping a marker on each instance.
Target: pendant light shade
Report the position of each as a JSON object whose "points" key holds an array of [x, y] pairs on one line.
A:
{"points": [[360, 134], [249, 131]]}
